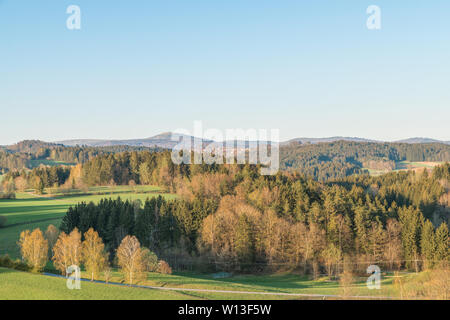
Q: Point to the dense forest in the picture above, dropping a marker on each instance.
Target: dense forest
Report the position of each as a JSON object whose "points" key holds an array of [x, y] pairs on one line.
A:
{"points": [[322, 161], [325, 161], [229, 217], [21, 155]]}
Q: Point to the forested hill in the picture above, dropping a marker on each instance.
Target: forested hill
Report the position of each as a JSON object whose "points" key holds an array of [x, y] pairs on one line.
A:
{"points": [[325, 161], [31, 153], [321, 161]]}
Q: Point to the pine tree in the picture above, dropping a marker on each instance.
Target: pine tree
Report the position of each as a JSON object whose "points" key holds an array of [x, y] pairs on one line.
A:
{"points": [[411, 220], [244, 240], [442, 243], [428, 244]]}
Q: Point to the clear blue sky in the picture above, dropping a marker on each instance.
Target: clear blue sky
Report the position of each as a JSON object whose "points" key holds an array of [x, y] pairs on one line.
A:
{"points": [[309, 68]]}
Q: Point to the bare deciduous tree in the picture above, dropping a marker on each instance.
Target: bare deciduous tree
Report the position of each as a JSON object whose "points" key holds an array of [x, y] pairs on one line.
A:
{"points": [[51, 234], [131, 259]]}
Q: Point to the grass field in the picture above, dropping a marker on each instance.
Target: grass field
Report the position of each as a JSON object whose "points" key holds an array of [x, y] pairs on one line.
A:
{"points": [[269, 283], [18, 285], [405, 165], [29, 211], [46, 162], [408, 165]]}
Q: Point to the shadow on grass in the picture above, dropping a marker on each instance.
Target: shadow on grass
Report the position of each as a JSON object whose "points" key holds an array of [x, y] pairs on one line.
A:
{"points": [[269, 283], [12, 201]]}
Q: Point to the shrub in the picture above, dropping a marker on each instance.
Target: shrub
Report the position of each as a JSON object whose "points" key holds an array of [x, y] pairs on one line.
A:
{"points": [[3, 220], [21, 266], [6, 262], [151, 260], [164, 268], [9, 195]]}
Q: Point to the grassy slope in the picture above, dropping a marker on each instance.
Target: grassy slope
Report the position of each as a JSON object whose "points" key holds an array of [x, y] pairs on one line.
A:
{"points": [[29, 211], [19, 285], [405, 165], [47, 162], [286, 283]]}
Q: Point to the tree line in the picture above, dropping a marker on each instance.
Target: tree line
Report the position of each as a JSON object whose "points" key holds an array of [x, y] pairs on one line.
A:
{"points": [[328, 161], [87, 251], [322, 161]]}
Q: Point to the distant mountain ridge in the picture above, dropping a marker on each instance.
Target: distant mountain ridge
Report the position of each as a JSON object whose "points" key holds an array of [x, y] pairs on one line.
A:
{"points": [[164, 140], [422, 140], [329, 139]]}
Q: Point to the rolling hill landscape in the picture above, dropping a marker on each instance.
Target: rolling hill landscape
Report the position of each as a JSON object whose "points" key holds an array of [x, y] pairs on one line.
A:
{"points": [[224, 156], [124, 193]]}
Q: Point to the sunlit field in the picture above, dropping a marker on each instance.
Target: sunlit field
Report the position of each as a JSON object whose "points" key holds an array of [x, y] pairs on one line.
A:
{"points": [[18, 285], [29, 211]]}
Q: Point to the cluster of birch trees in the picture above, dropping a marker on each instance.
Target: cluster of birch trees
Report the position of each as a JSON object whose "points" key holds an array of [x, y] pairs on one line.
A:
{"points": [[66, 250]]}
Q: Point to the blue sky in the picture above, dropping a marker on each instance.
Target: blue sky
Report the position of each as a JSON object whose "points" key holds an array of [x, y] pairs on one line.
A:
{"points": [[139, 68]]}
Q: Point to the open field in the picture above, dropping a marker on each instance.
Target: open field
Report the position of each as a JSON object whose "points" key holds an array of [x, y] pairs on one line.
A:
{"points": [[46, 162], [405, 165], [29, 211], [103, 191], [18, 285], [266, 283]]}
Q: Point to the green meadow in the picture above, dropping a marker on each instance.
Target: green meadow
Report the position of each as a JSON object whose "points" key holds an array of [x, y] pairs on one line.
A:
{"points": [[404, 165], [48, 162], [408, 165], [19, 285], [29, 211]]}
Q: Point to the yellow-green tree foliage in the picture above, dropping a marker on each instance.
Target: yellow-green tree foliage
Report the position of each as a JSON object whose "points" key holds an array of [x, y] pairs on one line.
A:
{"points": [[67, 251], [93, 254], [34, 248]]}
